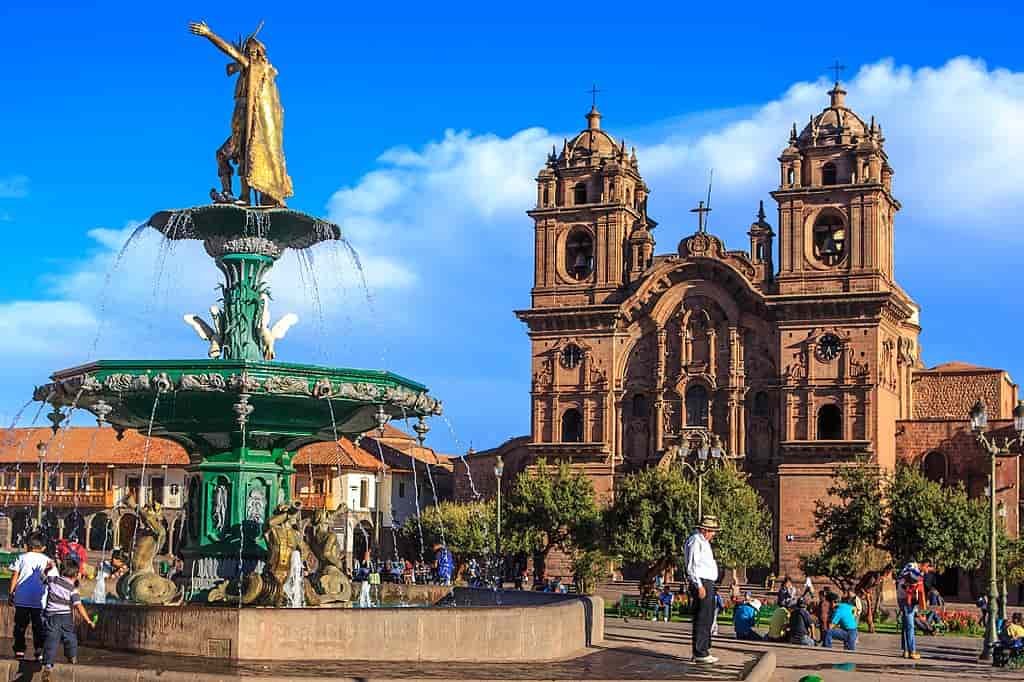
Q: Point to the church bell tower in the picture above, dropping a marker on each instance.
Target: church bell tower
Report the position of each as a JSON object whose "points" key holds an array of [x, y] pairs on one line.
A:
{"points": [[590, 202]]}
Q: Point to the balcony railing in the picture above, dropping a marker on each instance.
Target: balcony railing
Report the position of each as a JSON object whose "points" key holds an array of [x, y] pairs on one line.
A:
{"points": [[58, 498], [312, 500]]}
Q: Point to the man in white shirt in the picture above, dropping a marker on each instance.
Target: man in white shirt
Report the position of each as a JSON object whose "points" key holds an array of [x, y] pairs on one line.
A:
{"points": [[701, 573]]}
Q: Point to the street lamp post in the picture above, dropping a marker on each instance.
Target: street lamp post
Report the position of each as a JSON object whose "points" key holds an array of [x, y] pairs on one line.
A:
{"points": [[708, 454], [979, 421], [41, 447], [499, 469]]}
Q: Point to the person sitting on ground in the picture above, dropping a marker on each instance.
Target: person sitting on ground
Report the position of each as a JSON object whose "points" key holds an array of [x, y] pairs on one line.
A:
{"points": [[778, 625], [934, 598], [1015, 628], [744, 618], [843, 627], [665, 600], [801, 625], [787, 593]]}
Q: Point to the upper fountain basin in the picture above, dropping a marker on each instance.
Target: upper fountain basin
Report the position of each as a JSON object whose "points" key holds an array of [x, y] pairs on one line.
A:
{"points": [[227, 228], [292, 404]]}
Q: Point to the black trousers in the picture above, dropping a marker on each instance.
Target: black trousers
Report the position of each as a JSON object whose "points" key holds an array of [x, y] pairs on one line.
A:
{"points": [[703, 618], [23, 615]]}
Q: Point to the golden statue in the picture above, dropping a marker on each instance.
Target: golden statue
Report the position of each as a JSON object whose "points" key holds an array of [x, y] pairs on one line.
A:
{"points": [[256, 143]]}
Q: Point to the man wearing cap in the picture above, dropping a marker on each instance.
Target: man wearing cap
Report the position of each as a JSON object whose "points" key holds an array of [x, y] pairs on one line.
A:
{"points": [[702, 572]]}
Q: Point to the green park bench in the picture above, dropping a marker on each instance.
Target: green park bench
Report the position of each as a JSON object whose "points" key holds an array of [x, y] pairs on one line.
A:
{"points": [[637, 606]]}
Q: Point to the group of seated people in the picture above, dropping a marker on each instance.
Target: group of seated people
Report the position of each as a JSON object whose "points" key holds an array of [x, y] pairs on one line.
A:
{"points": [[793, 622]]}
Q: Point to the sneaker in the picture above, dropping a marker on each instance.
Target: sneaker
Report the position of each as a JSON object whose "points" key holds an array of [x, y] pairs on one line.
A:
{"points": [[914, 655], [654, 620], [39, 654], [73, 660], [19, 655], [706, 660]]}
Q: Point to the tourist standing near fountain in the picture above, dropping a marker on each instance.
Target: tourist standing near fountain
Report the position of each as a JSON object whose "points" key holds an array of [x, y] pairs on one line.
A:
{"points": [[28, 595]]}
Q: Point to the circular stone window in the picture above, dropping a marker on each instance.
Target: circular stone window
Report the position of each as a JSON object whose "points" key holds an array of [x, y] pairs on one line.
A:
{"points": [[572, 356]]}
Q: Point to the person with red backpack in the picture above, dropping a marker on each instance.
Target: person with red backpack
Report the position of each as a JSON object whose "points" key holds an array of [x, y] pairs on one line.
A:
{"points": [[911, 598], [69, 548]]}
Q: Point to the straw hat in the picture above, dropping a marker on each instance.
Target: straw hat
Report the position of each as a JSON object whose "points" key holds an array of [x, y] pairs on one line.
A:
{"points": [[709, 522]]}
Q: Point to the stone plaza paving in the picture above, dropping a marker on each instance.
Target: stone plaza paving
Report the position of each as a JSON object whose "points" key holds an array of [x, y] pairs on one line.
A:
{"points": [[633, 650]]}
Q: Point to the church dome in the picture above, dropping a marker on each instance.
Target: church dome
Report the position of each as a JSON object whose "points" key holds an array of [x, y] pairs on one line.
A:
{"points": [[594, 142], [836, 124]]}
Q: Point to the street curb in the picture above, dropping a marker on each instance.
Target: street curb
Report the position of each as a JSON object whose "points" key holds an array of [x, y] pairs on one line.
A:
{"points": [[763, 669]]}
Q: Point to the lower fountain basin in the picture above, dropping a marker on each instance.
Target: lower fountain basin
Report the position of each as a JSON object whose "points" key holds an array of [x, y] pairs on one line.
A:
{"points": [[526, 626]]}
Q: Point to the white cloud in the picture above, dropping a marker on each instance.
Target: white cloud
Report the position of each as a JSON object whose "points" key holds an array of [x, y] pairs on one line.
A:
{"points": [[13, 187], [32, 328], [955, 136]]}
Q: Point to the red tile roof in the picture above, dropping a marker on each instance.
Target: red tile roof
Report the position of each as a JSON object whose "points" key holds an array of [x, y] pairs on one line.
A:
{"points": [[344, 454], [957, 366], [80, 445]]}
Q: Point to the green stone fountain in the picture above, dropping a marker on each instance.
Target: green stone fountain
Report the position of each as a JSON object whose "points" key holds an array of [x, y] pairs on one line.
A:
{"points": [[240, 414]]}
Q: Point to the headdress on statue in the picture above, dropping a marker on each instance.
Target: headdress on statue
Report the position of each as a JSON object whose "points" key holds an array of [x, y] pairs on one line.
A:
{"points": [[251, 39]]}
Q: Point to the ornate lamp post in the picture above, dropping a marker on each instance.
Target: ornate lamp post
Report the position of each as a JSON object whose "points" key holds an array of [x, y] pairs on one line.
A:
{"points": [[1010, 447], [708, 454], [41, 447], [499, 469]]}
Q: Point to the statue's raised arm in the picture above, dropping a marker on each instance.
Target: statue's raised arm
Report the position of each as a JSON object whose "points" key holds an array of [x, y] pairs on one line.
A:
{"points": [[256, 143], [200, 28]]}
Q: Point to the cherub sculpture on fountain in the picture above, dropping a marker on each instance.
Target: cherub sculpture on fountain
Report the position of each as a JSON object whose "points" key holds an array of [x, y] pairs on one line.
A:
{"points": [[330, 579], [143, 584]]}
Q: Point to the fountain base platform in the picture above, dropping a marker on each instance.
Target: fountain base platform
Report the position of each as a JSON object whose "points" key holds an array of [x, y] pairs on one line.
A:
{"points": [[526, 626]]}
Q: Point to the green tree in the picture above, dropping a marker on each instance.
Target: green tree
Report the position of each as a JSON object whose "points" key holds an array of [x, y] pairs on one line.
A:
{"points": [[467, 529], [850, 528], [551, 507], [653, 513], [929, 521], [746, 536]]}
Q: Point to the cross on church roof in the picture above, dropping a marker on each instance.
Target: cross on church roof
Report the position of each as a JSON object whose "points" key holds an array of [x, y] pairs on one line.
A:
{"points": [[701, 210], [593, 95], [838, 68]]}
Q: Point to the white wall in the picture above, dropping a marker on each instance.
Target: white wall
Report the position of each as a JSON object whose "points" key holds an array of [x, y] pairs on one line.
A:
{"points": [[172, 477]]}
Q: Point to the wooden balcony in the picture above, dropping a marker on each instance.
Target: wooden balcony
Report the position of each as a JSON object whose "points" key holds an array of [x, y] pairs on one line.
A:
{"points": [[312, 500], [58, 498]]}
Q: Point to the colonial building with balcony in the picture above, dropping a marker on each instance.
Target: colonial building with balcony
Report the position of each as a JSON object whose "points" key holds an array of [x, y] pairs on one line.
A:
{"points": [[93, 479]]}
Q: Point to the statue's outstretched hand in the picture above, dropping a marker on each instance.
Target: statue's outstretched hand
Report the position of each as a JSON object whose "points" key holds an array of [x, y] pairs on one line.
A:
{"points": [[199, 28]]}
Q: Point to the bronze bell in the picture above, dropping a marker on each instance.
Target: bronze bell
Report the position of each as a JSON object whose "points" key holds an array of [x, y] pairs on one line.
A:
{"points": [[581, 267], [829, 248]]}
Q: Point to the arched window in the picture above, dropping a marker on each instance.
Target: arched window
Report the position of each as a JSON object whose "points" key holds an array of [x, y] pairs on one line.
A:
{"points": [[790, 176], [934, 467], [828, 174], [760, 251], [579, 193], [829, 238], [579, 254], [830, 423], [101, 533], [572, 426], [762, 407], [629, 196], [697, 405], [866, 174], [547, 196], [640, 405]]}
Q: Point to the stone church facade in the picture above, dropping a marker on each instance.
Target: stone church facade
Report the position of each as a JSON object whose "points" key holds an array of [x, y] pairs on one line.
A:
{"points": [[796, 364]]}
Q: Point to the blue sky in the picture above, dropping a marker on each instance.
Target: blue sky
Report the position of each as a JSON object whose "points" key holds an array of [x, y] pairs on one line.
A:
{"points": [[419, 129]]}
